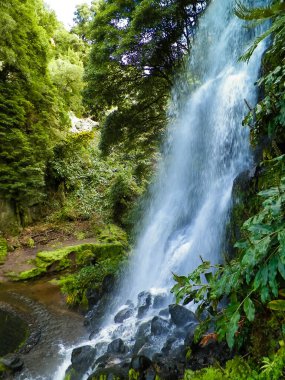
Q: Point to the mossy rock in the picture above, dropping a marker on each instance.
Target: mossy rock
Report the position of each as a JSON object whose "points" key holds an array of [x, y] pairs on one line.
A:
{"points": [[3, 250], [111, 233], [69, 257]]}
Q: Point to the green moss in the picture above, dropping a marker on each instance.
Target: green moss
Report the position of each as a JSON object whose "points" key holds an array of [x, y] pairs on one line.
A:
{"points": [[29, 274], [3, 250], [112, 234], [70, 257]]}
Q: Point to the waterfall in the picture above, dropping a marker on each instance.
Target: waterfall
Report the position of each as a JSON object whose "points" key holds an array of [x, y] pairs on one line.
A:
{"points": [[205, 150]]}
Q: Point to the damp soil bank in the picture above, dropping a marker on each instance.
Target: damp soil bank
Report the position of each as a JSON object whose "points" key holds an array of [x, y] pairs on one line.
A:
{"points": [[36, 323]]}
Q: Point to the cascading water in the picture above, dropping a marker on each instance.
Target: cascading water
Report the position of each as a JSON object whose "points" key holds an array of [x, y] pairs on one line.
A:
{"points": [[207, 148]]}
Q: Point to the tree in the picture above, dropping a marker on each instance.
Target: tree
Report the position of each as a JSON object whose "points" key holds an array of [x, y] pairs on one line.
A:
{"points": [[136, 49], [30, 111]]}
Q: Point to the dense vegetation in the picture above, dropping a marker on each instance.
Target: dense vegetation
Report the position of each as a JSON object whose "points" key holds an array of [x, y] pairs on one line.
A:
{"points": [[117, 65], [135, 49], [246, 296]]}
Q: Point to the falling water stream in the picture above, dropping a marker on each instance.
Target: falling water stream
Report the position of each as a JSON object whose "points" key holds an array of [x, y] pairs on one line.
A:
{"points": [[206, 149]]}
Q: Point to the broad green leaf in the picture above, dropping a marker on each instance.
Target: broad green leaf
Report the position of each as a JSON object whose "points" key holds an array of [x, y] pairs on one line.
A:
{"points": [[209, 276], [232, 328], [181, 280], [278, 305], [249, 309], [264, 294], [272, 273], [261, 278], [281, 269], [281, 239], [269, 192]]}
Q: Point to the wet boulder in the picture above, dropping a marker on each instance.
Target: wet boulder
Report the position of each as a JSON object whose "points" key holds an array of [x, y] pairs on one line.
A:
{"points": [[144, 301], [159, 301], [141, 337], [123, 314], [189, 333], [209, 354], [159, 326], [108, 283], [111, 373], [166, 368], [117, 346], [181, 316], [82, 358], [93, 297], [164, 312], [12, 362], [140, 363]]}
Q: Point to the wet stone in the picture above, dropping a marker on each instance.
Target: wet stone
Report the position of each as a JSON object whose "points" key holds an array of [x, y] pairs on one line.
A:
{"points": [[181, 316], [82, 358], [159, 326], [159, 301], [144, 301], [164, 312], [123, 314], [117, 347], [12, 362]]}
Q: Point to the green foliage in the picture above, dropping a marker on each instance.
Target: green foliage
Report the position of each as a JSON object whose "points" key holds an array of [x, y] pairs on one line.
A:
{"points": [[252, 279], [268, 117], [92, 183], [241, 369], [29, 108], [137, 47], [89, 277], [3, 250]]}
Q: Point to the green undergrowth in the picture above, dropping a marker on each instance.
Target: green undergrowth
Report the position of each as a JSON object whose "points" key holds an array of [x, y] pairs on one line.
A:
{"points": [[70, 257], [270, 368], [74, 286], [3, 250]]}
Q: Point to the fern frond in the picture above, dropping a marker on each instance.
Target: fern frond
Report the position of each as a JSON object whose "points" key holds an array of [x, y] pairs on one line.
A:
{"points": [[277, 27], [248, 14]]}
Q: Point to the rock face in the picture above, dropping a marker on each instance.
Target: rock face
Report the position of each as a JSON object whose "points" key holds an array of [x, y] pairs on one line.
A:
{"points": [[123, 314], [117, 347], [82, 358], [159, 326], [181, 316], [13, 362], [144, 301]]}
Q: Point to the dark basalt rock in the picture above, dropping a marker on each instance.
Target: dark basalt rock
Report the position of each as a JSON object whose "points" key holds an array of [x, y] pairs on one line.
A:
{"points": [[108, 283], [144, 301], [93, 297], [13, 362], [112, 373], [190, 331], [164, 312], [103, 360], [159, 301], [117, 347], [165, 367], [31, 342], [143, 367], [82, 358], [123, 314], [159, 326], [140, 363], [181, 316], [206, 356]]}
